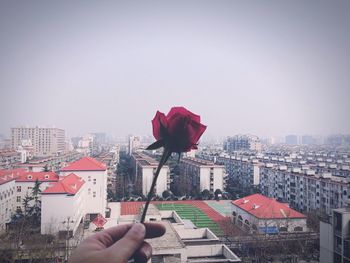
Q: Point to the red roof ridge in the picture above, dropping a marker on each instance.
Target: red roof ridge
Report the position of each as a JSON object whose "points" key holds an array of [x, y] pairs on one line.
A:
{"points": [[264, 207], [70, 184], [85, 164]]}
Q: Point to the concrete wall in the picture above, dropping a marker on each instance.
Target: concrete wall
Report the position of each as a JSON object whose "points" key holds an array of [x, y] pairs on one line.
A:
{"points": [[57, 208], [326, 243]]}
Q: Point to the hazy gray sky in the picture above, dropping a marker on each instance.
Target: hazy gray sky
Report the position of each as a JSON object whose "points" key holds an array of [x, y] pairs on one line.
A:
{"points": [[259, 67]]}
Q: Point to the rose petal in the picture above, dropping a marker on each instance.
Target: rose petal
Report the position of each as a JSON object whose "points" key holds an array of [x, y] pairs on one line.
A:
{"points": [[157, 121], [184, 112]]}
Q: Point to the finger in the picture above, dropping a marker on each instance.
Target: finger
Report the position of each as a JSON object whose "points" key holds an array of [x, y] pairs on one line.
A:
{"points": [[143, 254], [127, 246], [109, 236], [154, 230]]}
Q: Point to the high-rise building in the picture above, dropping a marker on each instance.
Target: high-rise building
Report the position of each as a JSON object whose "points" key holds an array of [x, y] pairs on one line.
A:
{"points": [[242, 142], [134, 144], [45, 141], [292, 139], [307, 140]]}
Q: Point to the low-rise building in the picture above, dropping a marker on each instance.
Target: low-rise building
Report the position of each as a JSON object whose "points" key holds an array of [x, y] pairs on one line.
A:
{"points": [[260, 214], [26, 182], [8, 195], [63, 205], [94, 174]]}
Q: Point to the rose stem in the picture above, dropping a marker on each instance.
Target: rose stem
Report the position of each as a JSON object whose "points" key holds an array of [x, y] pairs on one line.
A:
{"points": [[150, 193]]}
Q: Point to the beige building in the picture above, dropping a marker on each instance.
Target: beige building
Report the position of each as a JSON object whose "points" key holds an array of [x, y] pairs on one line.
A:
{"points": [[145, 167], [197, 175], [45, 141]]}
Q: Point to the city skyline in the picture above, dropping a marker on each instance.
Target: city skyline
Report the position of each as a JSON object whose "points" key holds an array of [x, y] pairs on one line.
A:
{"points": [[268, 69]]}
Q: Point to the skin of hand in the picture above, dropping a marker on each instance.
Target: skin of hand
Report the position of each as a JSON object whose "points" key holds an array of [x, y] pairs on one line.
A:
{"points": [[118, 244]]}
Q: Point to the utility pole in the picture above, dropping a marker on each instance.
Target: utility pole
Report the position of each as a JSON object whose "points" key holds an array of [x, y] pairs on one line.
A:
{"points": [[68, 221]]}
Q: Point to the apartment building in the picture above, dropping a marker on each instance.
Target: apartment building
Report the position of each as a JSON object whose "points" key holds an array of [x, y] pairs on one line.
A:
{"points": [[335, 237], [242, 142], [197, 175], [242, 170], [94, 174], [145, 167], [303, 188], [8, 195], [45, 141]]}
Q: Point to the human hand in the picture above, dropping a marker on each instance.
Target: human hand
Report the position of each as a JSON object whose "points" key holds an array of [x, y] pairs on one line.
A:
{"points": [[118, 244]]}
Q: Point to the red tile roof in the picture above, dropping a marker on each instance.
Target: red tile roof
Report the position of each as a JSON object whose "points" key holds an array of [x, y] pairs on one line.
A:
{"points": [[85, 164], [261, 206], [9, 175], [40, 176], [70, 184]]}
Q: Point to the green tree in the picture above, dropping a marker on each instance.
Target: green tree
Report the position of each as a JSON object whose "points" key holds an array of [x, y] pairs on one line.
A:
{"points": [[205, 194]]}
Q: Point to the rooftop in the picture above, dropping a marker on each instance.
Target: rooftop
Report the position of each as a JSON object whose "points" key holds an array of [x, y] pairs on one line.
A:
{"points": [[37, 176], [263, 207], [70, 184], [85, 164], [9, 175]]}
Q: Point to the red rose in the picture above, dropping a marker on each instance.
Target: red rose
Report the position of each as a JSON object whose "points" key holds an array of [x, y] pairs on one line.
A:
{"points": [[179, 131]]}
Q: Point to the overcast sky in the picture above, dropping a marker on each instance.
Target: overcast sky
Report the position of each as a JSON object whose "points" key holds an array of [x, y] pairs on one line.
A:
{"points": [[258, 67]]}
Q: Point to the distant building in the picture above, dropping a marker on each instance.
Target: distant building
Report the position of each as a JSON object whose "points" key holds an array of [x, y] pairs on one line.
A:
{"points": [[197, 175], [307, 140], [9, 159], [242, 143], [145, 168], [292, 140], [304, 189], [94, 174], [134, 144], [45, 141], [335, 237], [244, 172], [260, 214]]}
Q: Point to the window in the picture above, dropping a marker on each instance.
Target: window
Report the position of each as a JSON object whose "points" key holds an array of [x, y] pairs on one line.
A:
{"points": [[94, 194], [18, 199], [89, 191], [19, 189], [94, 181], [89, 178]]}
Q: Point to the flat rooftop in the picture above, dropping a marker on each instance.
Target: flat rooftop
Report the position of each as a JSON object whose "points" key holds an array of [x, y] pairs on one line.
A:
{"points": [[170, 240]]}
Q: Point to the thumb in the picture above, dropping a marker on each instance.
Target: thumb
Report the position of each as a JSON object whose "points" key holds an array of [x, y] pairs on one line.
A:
{"points": [[127, 246]]}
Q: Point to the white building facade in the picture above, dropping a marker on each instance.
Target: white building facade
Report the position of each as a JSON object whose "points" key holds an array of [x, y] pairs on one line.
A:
{"points": [[8, 195], [69, 194], [26, 182], [197, 175], [94, 174], [145, 167]]}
